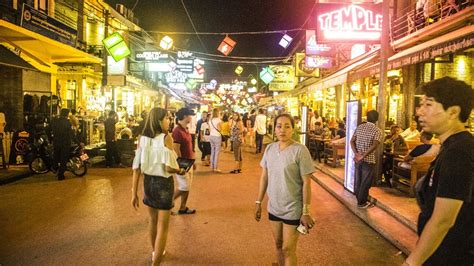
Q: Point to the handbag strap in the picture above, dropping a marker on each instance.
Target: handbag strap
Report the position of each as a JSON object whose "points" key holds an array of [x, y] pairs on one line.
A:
{"points": [[215, 127]]}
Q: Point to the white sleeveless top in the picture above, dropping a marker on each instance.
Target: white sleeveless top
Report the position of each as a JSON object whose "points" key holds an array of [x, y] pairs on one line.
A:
{"points": [[152, 156]]}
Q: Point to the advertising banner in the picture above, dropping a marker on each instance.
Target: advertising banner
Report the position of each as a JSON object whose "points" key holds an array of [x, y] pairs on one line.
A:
{"points": [[153, 56], [301, 70], [353, 117], [284, 79], [43, 24], [348, 23], [315, 48], [316, 61], [185, 62], [116, 68]]}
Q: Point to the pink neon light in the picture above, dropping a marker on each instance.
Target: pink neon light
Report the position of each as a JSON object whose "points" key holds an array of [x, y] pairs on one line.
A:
{"points": [[351, 35], [352, 21]]}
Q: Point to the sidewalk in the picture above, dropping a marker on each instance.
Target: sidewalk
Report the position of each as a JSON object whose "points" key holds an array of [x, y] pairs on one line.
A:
{"points": [[14, 173], [394, 216]]}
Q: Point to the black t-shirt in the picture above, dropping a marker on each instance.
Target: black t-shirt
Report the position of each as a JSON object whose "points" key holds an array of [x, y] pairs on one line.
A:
{"points": [[420, 150], [451, 176]]}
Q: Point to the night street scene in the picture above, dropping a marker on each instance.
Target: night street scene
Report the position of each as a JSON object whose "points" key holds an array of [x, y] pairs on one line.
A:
{"points": [[179, 132]]}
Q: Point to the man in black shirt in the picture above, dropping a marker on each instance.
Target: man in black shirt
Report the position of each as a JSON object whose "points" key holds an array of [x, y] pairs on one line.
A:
{"points": [[198, 131], [62, 135], [445, 224]]}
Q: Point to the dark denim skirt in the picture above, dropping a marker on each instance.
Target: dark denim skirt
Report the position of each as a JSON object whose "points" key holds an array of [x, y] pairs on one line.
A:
{"points": [[158, 192]]}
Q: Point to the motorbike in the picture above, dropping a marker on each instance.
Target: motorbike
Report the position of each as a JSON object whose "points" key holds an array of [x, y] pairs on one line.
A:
{"points": [[42, 158]]}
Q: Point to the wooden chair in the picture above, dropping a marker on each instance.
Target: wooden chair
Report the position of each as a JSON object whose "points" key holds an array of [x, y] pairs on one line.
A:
{"points": [[407, 177], [333, 153]]}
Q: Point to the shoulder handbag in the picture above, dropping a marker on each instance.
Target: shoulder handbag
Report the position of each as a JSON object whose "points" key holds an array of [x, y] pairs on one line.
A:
{"points": [[216, 129]]}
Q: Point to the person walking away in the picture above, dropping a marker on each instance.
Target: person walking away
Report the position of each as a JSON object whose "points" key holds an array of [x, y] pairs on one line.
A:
{"points": [[216, 139], [156, 159], [286, 178], [260, 129], [236, 137], [225, 130], [62, 136], [192, 130], [364, 142], [198, 133], [445, 194], [183, 148], [251, 128], [111, 154], [205, 139]]}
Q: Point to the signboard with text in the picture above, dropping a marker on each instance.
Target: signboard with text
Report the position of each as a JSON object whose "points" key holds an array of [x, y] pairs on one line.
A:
{"points": [[301, 70], [315, 48], [153, 56], [43, 24], [353, 117], [284, 79], [348, 23], [316, 61], [185, 62]]}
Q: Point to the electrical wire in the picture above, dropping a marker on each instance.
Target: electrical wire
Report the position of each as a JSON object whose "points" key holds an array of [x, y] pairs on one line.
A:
{"points": [[227, 33], [135, 5]]}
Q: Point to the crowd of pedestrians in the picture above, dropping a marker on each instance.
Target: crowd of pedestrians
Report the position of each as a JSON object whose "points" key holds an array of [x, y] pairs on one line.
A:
{"points": [[444, 194]]}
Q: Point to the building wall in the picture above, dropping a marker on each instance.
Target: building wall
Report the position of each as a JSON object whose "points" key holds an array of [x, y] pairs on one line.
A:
{"points": [[461, 68], [11, 95], [36, 81]]}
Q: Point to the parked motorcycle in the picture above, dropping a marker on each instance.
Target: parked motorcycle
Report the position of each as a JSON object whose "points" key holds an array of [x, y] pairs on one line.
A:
{"points": [[42, 158]]}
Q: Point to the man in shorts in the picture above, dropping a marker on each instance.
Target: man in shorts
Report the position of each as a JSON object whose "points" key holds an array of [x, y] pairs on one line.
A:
{"points": [[184, 148]]}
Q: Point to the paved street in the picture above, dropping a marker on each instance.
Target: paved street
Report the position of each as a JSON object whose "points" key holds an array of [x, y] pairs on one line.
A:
{"points": [[89, 221]]}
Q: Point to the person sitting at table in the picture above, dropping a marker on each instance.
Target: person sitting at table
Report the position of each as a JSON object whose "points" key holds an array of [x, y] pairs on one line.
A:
{"points": [[422, 151], [395, 146], [411, 132], [341, 131]]}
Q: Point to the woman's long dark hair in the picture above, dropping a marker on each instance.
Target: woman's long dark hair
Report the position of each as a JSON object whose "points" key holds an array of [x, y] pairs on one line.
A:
{"points": [[153, 122]]}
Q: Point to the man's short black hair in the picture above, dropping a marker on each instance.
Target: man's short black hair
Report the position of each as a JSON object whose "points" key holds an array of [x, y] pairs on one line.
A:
{"points": [[372, 116], [451, 92]]}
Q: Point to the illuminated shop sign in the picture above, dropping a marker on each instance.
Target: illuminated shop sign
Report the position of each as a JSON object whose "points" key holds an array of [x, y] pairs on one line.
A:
{"points": [[301, 70], [153, 56], [316, 61], [353, 117], [175, 77], [315, 48], [185, 62], [348, 23]]}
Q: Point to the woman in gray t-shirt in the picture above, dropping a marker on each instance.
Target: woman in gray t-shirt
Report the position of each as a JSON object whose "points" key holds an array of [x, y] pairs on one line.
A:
{"points": [[287, 168]]}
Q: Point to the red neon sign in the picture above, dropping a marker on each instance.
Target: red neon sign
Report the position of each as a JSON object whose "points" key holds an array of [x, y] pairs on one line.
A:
{"points": [[348, 23]]}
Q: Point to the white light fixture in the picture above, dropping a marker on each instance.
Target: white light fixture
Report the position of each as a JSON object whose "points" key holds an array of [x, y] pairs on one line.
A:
{"points": [[285, 41], [166, 43]]}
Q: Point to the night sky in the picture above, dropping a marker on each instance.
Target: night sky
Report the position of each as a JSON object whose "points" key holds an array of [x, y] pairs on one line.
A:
{"points": [[224, 16]]}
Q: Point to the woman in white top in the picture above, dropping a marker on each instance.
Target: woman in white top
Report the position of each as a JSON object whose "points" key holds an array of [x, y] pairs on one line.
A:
{"points": [[215, 139], [156, 159]]}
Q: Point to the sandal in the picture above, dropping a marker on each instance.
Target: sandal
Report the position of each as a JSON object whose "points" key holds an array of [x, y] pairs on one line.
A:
{"points": [[236, 171], [187, 211]]}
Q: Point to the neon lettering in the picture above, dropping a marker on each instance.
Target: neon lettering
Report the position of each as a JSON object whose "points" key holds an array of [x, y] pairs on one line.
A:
{"points": [[351, 22]]}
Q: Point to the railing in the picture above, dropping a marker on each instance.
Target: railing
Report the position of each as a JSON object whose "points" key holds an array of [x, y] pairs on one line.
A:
{"points": [[418, 17]]}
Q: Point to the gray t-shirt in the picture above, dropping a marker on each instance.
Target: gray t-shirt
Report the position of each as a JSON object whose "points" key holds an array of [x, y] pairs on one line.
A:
{"points": [[285, 184]]}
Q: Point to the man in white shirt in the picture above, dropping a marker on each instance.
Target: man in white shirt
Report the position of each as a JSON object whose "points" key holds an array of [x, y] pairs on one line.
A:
{"points": [[411, 132], [260, 129]]}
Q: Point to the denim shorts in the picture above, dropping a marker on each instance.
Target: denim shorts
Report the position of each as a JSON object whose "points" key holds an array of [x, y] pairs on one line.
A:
{"points": [[158, 192], [272, 217]]}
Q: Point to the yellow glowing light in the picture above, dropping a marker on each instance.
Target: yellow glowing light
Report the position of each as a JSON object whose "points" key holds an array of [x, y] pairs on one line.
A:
{"points": [[393, 73], [461, 67]]}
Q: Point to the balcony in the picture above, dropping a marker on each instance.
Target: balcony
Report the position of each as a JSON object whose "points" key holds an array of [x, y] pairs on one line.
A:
{"points": [[434, 19]]}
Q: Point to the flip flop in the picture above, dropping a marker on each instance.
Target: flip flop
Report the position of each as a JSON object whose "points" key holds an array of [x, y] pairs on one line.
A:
{"points": [[187, 211]]}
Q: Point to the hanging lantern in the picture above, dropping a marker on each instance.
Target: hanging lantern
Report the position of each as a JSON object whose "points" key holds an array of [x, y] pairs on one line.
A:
{"points": [[166, 43], [116, 46], [172, 65], [267, 75], [190, 84], [285, 41], [199, 69], [226, 46], [239, 70]]}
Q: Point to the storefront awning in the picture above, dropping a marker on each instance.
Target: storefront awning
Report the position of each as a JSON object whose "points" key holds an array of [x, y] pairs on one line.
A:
{"points": [[340, 76], [41, 49], [9, 58], [449, 43]]}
